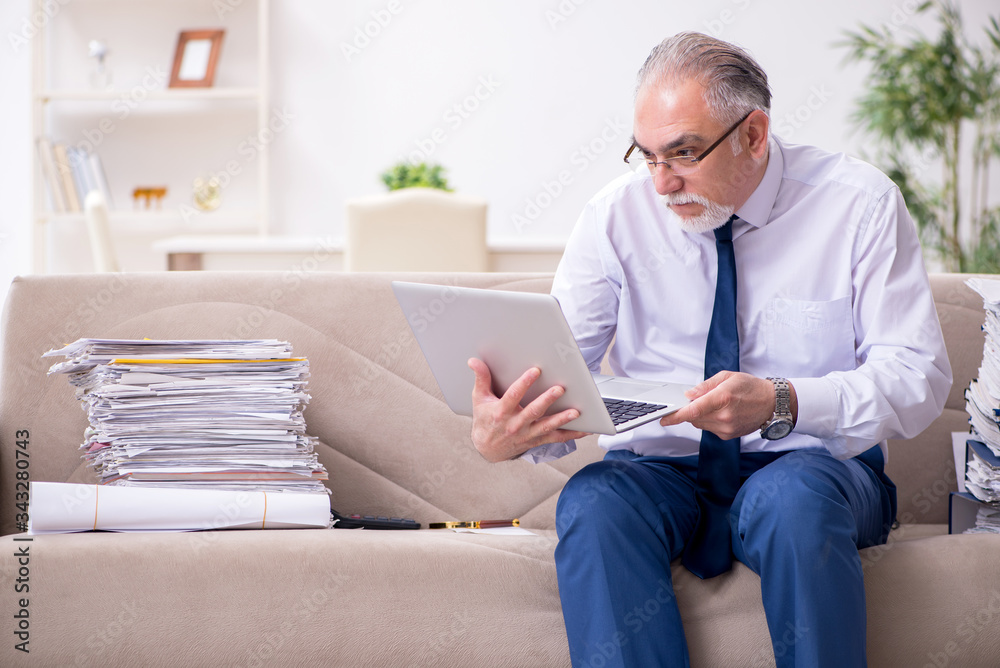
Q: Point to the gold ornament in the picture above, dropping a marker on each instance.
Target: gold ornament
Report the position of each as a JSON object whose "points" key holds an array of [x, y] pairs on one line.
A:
{"points": [[207, 193]]}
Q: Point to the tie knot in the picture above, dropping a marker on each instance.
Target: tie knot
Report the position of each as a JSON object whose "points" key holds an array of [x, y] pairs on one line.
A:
{"points": [[725, 233]]}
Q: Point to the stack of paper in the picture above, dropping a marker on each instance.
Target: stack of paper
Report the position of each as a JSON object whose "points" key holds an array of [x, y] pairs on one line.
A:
{"points": [[987, 520], [195, 414], [982, 472], [982, 402], [983, 395]]}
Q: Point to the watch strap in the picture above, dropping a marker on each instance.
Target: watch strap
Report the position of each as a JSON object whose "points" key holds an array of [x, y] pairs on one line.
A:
{"points": [[782, 398]]}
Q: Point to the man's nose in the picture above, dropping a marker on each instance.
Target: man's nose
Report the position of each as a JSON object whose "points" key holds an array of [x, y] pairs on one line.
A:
{"points": [[665, 180]]}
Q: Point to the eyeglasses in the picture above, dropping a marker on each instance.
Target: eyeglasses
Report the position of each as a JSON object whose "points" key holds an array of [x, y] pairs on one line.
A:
{"points": [[679, 164]]}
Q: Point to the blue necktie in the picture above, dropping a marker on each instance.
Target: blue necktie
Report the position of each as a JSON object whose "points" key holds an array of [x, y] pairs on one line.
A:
{"points": [[708, 552]]}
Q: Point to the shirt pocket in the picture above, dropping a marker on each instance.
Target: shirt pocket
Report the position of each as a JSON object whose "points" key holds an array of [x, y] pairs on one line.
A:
{"points": [[809, 338]]}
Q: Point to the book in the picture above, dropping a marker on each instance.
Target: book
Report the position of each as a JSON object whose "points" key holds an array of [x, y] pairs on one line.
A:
{"points": [[51, 174], [80, 163], [982, 472], [65, 172], [100, 179], [967, 514], [977, 510]]}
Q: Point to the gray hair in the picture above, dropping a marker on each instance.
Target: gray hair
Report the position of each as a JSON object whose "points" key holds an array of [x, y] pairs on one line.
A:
{"points": [[734, 83]]}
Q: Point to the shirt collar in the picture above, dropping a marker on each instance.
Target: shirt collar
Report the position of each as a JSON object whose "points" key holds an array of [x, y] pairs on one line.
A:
{"points": [[757, 209]]}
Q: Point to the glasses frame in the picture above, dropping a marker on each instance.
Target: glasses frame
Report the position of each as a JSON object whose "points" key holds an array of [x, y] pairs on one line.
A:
{"points": [[652, 164]]}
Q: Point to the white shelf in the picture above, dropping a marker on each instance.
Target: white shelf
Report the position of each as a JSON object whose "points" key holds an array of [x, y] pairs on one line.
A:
{"points": [[150, 141], [527, 245], [192, 217], [170, 94], [284, 244], [229, 252], [246, 244]]}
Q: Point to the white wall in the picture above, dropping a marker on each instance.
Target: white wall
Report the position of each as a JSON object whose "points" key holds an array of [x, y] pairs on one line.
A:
{"points": [[526, 103]]}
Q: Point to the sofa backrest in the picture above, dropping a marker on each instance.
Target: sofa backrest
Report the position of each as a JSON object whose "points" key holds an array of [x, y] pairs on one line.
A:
{"points": [[388, 440]]}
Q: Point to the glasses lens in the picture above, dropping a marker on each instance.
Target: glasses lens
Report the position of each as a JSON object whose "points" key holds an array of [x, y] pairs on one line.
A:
{"points": [[636, 161], [685, 165]]}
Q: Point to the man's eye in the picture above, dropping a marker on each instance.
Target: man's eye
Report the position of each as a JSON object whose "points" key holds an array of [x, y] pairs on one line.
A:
{"points": [[685, 153]]}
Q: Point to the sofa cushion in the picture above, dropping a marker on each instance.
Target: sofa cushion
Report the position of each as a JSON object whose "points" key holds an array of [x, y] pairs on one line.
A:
{"points": [[435, 598]]}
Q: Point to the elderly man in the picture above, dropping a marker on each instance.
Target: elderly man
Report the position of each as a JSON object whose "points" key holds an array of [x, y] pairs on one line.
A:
{"points": [[786, 285]]}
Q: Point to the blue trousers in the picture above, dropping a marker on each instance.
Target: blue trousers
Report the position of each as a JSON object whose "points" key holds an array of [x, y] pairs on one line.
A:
{"points": [[797, 521]]}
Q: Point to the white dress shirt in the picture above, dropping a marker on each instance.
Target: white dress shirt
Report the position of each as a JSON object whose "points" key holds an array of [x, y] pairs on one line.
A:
{"points": [[831, 293]]}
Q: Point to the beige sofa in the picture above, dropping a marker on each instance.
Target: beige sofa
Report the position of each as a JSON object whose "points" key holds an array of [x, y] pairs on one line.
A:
{"points": [[408, 598]]}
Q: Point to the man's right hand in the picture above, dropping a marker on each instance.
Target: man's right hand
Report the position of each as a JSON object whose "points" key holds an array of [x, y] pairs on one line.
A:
{"points": [[502, 429]]}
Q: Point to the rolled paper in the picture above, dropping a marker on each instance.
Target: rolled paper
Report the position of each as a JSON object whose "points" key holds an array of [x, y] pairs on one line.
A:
{"points": [[59, 507]]}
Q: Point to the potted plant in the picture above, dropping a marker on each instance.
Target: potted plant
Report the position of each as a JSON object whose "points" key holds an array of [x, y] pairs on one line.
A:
{"points": [[922, 95], [409, 175]]}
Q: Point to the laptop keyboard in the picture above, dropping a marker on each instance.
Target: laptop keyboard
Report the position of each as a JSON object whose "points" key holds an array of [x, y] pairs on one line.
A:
{"points": [[622, 411]]}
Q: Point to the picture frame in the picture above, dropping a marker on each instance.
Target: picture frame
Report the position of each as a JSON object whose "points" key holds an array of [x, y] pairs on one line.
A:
{"points": [[195, 58]]}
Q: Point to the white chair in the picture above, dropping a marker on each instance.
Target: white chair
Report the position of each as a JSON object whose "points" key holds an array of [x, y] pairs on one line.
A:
{"points": [[416, 229], [95, 210]]}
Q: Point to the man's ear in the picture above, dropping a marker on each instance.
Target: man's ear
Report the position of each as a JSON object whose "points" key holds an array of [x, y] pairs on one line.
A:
{"points": [[757, 127]]}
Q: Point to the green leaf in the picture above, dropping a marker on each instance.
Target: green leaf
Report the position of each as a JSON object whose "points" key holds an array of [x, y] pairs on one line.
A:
{"points": [[920, 92], [408, 175]]}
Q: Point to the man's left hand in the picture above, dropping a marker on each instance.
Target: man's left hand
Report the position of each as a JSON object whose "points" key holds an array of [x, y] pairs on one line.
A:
{"points": [[729, 404]]}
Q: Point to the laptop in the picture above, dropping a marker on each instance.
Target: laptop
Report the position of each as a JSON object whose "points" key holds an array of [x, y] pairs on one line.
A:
{"points": [[512, 332]]}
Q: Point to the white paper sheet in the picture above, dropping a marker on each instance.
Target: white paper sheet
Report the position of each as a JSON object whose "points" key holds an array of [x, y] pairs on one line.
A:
{"points": [[499, 531], [988, 289], [958, 439]]}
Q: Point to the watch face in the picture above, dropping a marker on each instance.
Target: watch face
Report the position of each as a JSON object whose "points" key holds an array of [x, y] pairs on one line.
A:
{"points": [[777, 429]]}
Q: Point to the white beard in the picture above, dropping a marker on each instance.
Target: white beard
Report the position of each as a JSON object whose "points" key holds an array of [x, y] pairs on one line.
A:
{"points": [[712, 217]]}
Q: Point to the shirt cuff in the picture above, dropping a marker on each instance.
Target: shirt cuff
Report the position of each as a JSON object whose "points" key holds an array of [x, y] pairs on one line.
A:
{"points": [[818, 407], [548, 452]]}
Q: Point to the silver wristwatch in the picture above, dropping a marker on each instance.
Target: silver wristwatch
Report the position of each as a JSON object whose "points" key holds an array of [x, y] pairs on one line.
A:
{"points": [[780, 424]]}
